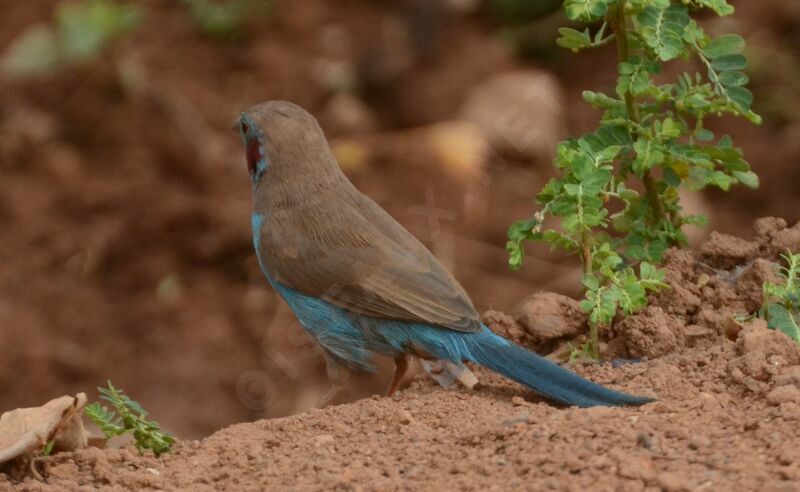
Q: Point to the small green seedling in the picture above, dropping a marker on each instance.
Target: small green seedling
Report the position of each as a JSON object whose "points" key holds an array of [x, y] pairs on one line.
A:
{"points": [[128, 418], [616, 201], [782, 301], [48, 448]]}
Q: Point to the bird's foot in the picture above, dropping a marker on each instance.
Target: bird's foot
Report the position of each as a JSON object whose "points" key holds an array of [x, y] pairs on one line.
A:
{"points": [[400, 368]]}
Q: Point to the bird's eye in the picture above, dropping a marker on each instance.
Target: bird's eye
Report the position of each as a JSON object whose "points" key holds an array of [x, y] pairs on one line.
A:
{"points": [[245, 128]]}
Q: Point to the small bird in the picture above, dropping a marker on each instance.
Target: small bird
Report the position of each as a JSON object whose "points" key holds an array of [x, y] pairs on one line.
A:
{"points": [[358, 282]]}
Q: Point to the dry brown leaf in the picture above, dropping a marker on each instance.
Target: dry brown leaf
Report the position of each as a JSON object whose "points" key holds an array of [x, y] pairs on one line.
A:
{"points": [[27, 430]]}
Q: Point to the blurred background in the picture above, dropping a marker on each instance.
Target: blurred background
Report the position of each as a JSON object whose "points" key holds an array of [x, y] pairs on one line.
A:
{"points": [[124, 198]]}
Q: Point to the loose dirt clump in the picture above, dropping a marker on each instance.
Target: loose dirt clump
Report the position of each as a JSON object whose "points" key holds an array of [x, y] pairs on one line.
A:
{"points": [[652, 333], [547, 318]]}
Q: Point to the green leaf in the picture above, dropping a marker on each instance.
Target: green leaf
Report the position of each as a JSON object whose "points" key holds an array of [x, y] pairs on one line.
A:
{"points": [[128, 418], [648, 155], [594, 183], [727, 44], [729, 63], [703, 134], [721, 180], [732, 79], [586, 10], [670, 128], [694, 34], [600, 100], [783, 320], [662, 29], [720, 7], [671, 177], [741, 97], [518, 233], [572, 39], [636, 77], [48, 448], [747, 178]]}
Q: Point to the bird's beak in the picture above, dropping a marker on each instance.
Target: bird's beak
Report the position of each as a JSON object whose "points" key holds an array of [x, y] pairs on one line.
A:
{"points": [[235, 126]]}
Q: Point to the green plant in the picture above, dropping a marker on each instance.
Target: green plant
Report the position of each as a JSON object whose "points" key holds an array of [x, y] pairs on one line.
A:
{"points": [[80, 32], [615, 202], [782, 301], [128, 418], [226, 19]]}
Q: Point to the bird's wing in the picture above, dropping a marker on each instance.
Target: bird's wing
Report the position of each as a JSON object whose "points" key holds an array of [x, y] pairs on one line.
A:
{"points": [[358, 257]]}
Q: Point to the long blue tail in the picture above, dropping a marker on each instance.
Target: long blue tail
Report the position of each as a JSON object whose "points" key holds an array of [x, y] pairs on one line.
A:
{"points": [[541, 375], [353, 344]]}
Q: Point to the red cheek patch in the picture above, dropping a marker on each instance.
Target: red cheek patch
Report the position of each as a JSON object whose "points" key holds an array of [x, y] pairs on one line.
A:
{"points": [[253, 155]]}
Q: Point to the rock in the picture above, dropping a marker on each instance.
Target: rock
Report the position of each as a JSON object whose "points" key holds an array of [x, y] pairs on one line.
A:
{"points": [[749, 285], [460, 149], [520, 113], [633, 466], [350, 154], [672, 482], [787, 239], [518, 401], [747, 381], [650, 333], [758, 347], [709, 402], [766, 227], [784, 394], [546, 317], [693, 333], [405, 417], [756, 337], [774, 237], [725, 251], [699, 442], [716, 319], [791, 376], [344, 113], [503, 324], [731, 327]]}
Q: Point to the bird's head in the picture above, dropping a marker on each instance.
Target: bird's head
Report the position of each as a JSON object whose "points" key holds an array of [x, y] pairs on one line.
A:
{"points": [[281, 137]]}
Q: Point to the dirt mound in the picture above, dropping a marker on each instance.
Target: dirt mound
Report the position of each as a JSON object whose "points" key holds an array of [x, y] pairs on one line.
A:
{"points": [[727, 415], [705, 431]]}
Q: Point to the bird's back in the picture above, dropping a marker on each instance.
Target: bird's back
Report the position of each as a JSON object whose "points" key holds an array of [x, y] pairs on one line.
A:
{"points": [[333, 241]]}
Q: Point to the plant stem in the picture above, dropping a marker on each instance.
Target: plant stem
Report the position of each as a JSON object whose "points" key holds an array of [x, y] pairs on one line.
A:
{"points": [[620, 26], [594, 341], [586, 253]]}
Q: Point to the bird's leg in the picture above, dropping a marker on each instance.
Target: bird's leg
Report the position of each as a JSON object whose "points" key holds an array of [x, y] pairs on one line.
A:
{"points": [[336, 376], [400, 368]]}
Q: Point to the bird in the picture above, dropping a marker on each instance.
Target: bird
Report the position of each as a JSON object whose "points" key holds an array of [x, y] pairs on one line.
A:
{"points": [[358, 282]]}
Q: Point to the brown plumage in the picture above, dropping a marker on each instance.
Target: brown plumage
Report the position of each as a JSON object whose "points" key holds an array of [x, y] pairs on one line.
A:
{"points": [[323, 237]]}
